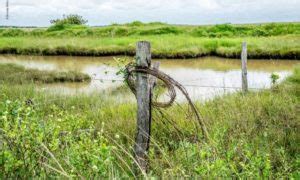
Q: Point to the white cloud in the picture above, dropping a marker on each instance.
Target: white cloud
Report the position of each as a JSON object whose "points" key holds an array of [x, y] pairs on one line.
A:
{"points": [[100, 12]]}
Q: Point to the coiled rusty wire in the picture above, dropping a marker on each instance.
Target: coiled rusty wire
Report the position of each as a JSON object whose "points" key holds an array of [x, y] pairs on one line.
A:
{"points": [[170, 84]]}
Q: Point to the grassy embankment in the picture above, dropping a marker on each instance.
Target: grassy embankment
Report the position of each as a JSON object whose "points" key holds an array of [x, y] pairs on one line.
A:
{"points": [[168, 41], [255, 135], [11, 73]]}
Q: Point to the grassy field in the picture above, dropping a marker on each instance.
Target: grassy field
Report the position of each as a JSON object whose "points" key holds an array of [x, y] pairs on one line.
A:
{"points": [[254, 135], [19, 75], [168, 41]]}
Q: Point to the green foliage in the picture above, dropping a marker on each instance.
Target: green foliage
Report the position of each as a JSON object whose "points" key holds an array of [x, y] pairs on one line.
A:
{"points": [[163, 46], [157, 24], [71, 23], [57, 27], [168, 41], [72, 19], [12, 32], [228, 30], [51, 146], [296, 76], [67, 23], [274, 77], [255, 136], [135, 23], [66, 29], [19, 75], [162, 30]]}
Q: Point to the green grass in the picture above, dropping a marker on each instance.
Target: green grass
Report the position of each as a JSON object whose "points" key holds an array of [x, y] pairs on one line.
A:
{"points": [[168, 41], [255, 135], [17, 74], [146, 29], [165, 46]]}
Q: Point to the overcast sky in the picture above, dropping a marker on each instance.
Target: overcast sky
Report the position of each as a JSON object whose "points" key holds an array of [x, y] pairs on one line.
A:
{"points": [[103, 12]]}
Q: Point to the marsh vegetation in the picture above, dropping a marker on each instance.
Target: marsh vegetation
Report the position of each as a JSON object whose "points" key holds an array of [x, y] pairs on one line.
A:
{"points": [[91, 136], [19, 75], [168, 41]]}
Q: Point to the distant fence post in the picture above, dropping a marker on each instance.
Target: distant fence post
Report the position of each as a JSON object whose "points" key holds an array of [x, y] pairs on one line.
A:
{"points": [[244, 67], [143, 95]]}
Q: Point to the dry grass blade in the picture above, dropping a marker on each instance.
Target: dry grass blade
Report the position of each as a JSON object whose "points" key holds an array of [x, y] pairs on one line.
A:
{"points": [[129, 155], [53, 157], [56, 170]]}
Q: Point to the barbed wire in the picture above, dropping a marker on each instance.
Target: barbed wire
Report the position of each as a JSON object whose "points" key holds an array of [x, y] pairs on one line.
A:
{"points": [[211, 78], [221, 87], [121, 80], [195, 85], [48, 101]]}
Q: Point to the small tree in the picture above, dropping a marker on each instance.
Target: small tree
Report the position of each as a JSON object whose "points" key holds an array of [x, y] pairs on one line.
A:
{"points": [[73, 19]]}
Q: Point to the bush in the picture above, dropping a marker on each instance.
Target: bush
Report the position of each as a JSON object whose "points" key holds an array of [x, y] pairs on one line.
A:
{"points": [[73, 19]]}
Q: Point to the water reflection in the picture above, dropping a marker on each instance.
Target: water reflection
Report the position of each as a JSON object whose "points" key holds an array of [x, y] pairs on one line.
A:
{"points": [[204, 78]]}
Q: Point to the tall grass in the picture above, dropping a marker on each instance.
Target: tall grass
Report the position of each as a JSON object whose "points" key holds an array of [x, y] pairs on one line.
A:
{"points": [[18, 74], [255, 135]]}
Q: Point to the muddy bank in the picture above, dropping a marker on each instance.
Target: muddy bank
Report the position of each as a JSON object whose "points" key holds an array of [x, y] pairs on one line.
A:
{"points": [[64, 51]]}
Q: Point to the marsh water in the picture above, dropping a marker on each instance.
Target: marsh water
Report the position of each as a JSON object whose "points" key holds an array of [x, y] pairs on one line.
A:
{"points": [[203, 78]]}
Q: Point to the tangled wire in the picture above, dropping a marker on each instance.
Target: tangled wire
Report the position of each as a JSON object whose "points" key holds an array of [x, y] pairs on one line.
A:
{"points": [[170, 84]]}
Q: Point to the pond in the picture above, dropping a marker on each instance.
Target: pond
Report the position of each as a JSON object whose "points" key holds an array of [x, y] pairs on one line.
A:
{"points": [[203, 78]]}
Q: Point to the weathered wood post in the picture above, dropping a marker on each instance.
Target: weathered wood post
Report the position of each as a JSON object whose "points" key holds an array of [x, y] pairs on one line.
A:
{"points": [[143, 95], [244, 68]]}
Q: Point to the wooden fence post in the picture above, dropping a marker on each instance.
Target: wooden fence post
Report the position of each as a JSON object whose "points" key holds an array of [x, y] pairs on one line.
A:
{"points": [[244, 67], [143, 94]]}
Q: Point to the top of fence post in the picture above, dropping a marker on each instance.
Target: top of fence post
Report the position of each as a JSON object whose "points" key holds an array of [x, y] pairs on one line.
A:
{"points": [[143, 54]]}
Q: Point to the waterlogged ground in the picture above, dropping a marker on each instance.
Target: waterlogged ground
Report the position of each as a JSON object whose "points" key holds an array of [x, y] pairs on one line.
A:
{"points": [[204, 78]]}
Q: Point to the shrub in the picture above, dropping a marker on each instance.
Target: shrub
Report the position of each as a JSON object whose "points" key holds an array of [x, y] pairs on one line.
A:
{"points": [[73, 19]]}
